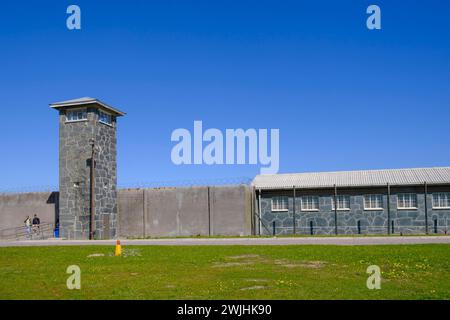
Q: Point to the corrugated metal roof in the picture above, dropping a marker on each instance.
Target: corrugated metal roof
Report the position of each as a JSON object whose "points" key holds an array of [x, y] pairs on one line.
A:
{"points": [[363, 178], [86, 100]]}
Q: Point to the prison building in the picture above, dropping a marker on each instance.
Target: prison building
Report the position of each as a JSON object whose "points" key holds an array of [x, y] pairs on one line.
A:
{"points": [[395, 201], [88, 204]]}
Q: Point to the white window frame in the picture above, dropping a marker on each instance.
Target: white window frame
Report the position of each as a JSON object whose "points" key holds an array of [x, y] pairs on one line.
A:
{"points": [[339, 202], [280, 203], [371, 202], [410, 202], [438, 205], [73, 111], [304, 204], [100, 112]]}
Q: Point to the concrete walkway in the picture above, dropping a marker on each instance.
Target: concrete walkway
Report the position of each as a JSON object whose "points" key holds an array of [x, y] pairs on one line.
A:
{"points": [[239, 241]]}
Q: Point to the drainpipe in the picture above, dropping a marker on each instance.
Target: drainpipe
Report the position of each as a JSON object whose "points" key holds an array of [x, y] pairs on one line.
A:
{"points": [[293, 215], [252, 210], [426, 207], [209, 211], [335, 210], [92, 187], [389, 208], [144, 213], [259, 211]]}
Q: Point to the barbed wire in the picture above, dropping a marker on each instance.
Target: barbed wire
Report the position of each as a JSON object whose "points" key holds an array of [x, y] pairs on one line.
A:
{"points": [[141, 185], [29, 189], [187, 183]]}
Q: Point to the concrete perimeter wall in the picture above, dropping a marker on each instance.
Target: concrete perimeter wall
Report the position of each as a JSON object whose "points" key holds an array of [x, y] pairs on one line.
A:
{"points": [[190, 211], [15, 207], [162, 212]]}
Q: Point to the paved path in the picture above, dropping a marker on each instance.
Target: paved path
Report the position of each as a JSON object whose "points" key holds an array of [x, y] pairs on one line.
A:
{"points": [[240, 241]]}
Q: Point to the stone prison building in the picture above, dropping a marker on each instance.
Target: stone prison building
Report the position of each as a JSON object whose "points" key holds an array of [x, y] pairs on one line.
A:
{"points": [[88, 204]]}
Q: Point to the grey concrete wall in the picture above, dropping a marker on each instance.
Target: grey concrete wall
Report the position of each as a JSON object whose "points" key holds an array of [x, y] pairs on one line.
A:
{"points": [[231, 212], [190, 211], [15, 207], [177, 212], [131, 204], [163, 212]]}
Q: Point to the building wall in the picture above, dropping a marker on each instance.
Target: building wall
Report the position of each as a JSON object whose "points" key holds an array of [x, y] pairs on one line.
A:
{"points": [[74, 175], [227, 210], [14, 208], [164, 212], [370, 221], [191, 211], [231, 211], [177, 212], [106, 180], [131, 212]]}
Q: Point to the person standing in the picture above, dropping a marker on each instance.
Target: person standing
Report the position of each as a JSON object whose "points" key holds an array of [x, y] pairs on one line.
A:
{"points": [[28, 226], [36, 224]]}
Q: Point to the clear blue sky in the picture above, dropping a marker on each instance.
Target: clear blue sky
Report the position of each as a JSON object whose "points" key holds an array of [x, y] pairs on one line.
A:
{"points": [[343, 97]]}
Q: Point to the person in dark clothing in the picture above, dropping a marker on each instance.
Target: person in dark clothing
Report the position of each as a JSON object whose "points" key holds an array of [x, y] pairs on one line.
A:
{"points": [[36, 224]]}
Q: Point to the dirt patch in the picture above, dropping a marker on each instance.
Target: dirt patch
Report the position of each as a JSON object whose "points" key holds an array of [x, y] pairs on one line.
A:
{"points": [[301, 264], [131, 252], [128, 253], [240, 260], [252, 259], [256, 280], [245, 256], [253, 288], [230, 264]]}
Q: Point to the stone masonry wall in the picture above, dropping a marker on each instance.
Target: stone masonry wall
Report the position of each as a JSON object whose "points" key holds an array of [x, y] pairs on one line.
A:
{"points": [[106, 180], [356, 220], [74, 162]]}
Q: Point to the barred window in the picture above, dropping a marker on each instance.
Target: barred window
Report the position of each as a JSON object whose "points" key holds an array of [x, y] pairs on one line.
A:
{"points": [[343, 202], [104, 117], [280, 203], [373, 202], [407, 201], [310, 203], [76, 115], [441, 200]]}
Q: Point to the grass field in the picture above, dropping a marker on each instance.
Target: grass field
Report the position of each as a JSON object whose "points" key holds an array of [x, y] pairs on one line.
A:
{"points": [[227, 272]]}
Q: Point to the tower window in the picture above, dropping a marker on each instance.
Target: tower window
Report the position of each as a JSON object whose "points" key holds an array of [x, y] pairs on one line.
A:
{"points": [[104, 117], [76, 115]]}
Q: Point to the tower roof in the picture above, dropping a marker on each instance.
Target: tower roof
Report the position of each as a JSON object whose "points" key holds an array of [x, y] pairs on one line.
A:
{"points": [[84, 101]]}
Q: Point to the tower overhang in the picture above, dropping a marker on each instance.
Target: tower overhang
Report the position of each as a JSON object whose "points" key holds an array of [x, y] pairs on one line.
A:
{"points": [[62, 105]]}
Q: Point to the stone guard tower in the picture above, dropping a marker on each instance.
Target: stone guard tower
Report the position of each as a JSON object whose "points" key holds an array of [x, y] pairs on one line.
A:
{"points": [[87, 207]]}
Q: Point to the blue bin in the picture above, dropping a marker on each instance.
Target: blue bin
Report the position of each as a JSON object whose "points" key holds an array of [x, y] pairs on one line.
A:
{"points": [[56, 232]]}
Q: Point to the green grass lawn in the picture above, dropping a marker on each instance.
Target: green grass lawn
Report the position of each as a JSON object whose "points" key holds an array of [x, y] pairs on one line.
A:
{"points": [[227, 272]]}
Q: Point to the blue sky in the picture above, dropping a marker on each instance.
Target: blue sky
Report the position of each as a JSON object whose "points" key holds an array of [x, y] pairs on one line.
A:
{"points": [[343, 97]]}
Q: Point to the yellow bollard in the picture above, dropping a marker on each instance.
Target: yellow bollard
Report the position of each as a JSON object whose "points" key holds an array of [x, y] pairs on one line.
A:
{"points": [[118, 249]]}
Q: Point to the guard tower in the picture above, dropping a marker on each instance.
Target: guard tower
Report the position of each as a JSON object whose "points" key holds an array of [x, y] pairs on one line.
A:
{"points": [[87, 168]]}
